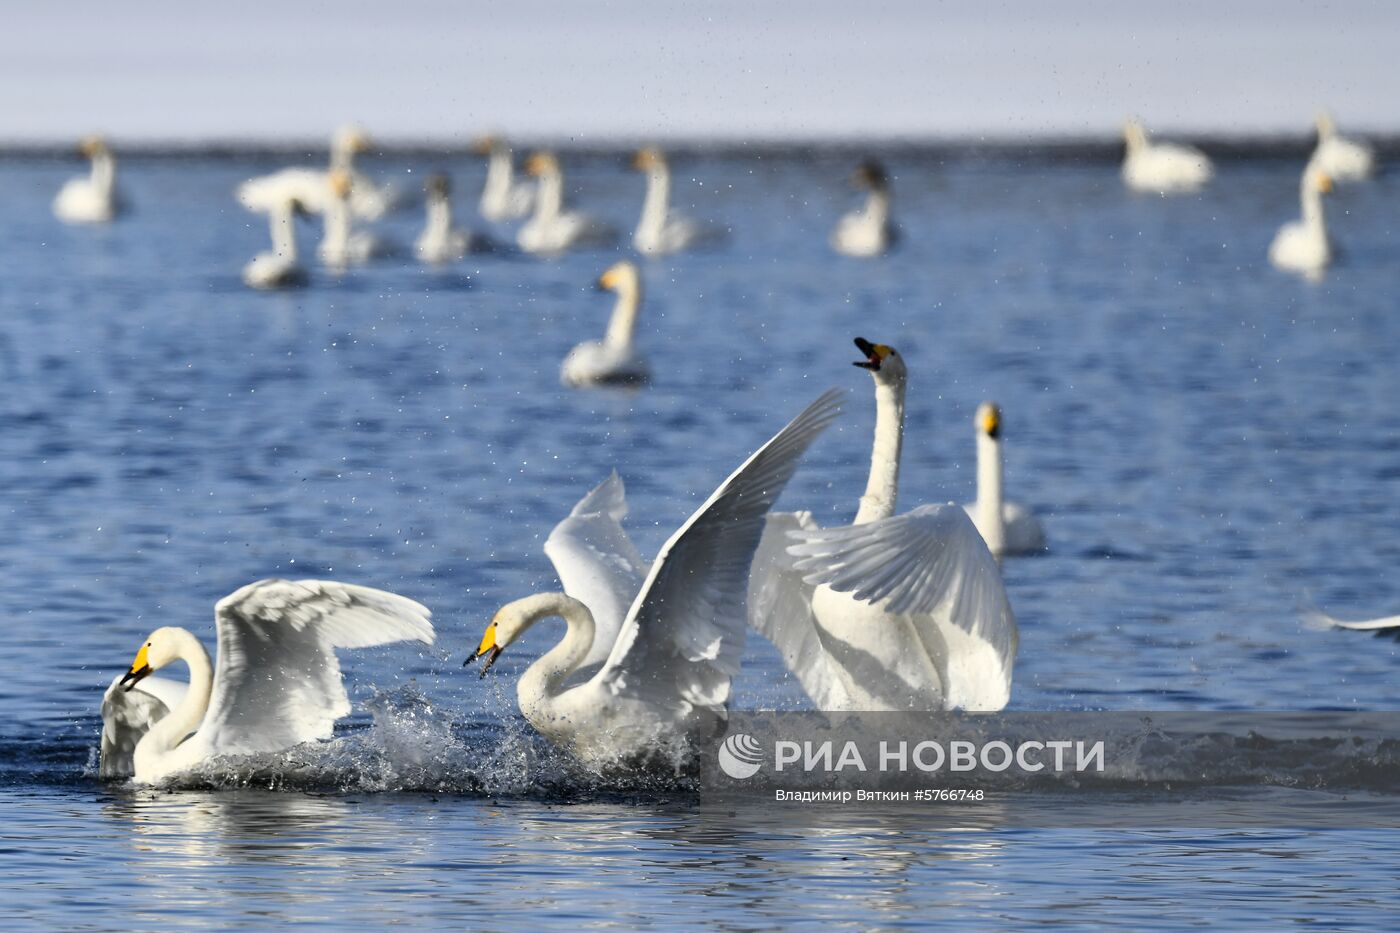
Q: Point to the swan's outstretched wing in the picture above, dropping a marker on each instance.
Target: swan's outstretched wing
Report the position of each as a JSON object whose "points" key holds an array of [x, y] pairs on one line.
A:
{"points": [[932, 566], [780, 609], [278, 683], [127, 715], [597, 562], [1321, 620], [684, 634]]}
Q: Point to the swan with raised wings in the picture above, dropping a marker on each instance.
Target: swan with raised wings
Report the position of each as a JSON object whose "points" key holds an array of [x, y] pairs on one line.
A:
{"points": [[660, 229], [93, 199], [614, 360], [553, 228], [663, 687], [278, 267], [1162, 168], [1008, 528], [277, 682], [310, 186], [1341, 158], [869, 231], [1304, 245], [502, 197], [441, 242], [893, 612]]}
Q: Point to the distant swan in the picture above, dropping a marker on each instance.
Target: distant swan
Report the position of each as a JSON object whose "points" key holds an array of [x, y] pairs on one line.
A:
{"points": [[1303, 245], [502, 197], [279, 267], [868, 231], [309, 186], [1341, 158], [341, 244], [612, 360], [440, 241], [1007, 528], [664, 685], [660, 229], [1163, 168], [552, 229], [90, 200], [277, 683]]}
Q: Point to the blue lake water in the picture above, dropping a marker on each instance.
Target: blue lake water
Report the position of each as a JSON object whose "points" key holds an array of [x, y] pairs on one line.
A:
{"points": [[1208, 441]]}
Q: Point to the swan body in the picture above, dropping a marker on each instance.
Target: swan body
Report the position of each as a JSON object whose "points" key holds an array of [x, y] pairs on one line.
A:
{"points": [[502, 197], [893, 612], [341, 244], [867, 232], [553, 228], [278, 268], [311, 187], [668, 637], [661, 230], [90, 200], [1162, 168], [1007, 528], [277, 682], [1341, 158], [441, 242], [614, 360], [1303, 245]]}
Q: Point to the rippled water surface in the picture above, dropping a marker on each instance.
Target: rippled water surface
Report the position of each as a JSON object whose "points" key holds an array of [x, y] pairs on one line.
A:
{"points": [[1209, 443]]}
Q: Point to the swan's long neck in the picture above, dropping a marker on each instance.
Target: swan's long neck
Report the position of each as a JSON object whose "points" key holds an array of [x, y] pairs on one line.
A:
{"points": [[658, 199], [189, 714], [439, 216], [337, 227], [1136, 137], [549, 197], [104, 171], [342, 157], [541, 683], [990, 512], [623, 323], [877, 207], [499, 175], [1311, 199], [282, 220], [879, 499]]}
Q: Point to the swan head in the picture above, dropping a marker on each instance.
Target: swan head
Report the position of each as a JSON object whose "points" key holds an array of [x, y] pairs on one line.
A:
{"points": [[988, 420], [883, 361], [542, 163], [485, 145], [620, 276], [871, 174], [340, 183], [437, 185], [1319, 180], [514, 618], [1325, 126], [162, 648], [351, 138], [92, 145], [1133, 133], [648, 159]]}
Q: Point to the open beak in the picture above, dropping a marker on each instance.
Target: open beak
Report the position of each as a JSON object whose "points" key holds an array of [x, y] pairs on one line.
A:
{"points": [[140, 669], [487, 647], [872, 358]]}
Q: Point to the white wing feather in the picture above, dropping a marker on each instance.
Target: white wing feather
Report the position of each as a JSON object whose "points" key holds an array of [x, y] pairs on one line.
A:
{"points": [[1321, 620], [127, 715]]}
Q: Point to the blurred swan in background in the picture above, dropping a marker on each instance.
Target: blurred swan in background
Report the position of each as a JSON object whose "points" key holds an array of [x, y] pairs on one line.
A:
{"points": [[893, 612], [502, 197], [1163, 168], [341, 244], [552, 229], [1341, 158], [440, 241], [90, 200], [310, 188], [660, 229], [278, 268], [612, 360], [868, 231], [1303, 245], [277, 683], [664, 684], [1007, 528]]}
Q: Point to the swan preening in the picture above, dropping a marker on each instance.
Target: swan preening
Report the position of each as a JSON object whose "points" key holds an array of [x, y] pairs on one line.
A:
{"points": [[868, 231], [277, 682], [893, 612], [502, 197], [341, 244], [553, 228], [663, 687], [93, 199], [1341, 158], [1008, 528], [1304, 245], [310, 187], [661, 230], [1162, 168], [278, 267], [613, 360], [441, 242]]}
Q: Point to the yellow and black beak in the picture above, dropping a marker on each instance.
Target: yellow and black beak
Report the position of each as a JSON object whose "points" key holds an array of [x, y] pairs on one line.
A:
{"points": [[875, 354], [487, 647], [991, 422], [140, 669]]}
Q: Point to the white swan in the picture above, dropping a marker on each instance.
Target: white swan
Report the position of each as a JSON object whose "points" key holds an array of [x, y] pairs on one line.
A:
{"points": [[664, 683], [278, 268], [1303, 245], [552, 228], [341, 244], [612, 360], [1008, 528], [277, 683], [660, 229], [502, 197], [1341, 158], [90, 200], [1315, 618], [310, 187], [1163, 168], [894, 612], [868, 231], [441, 242]]}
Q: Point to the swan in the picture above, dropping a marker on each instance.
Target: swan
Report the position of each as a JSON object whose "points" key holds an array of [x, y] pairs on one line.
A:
{"points": [[278, 268], [341, 244], [310, 187], [663, 687], [612, 360], [1341, 158], [893, 612], [1303, 245], [277, 683], [868, 231], [1163, 168], [90, 200], [440, 242], [1315, 618], [552, 229], [502, 197], [1007, 528], [661, 230]]}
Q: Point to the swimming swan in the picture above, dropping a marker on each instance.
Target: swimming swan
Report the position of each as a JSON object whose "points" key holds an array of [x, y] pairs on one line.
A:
{"points": [[502, 197], [277, 683], [1303, 245], [612, 360], [310, 186], [1007, 528], [1341, 158], [90, 200], [661, 230], [868, 231], [893, 612], [278, 268], [1163, 168], [664, 683], [441, 242], [552, 229], [341, 244]]}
